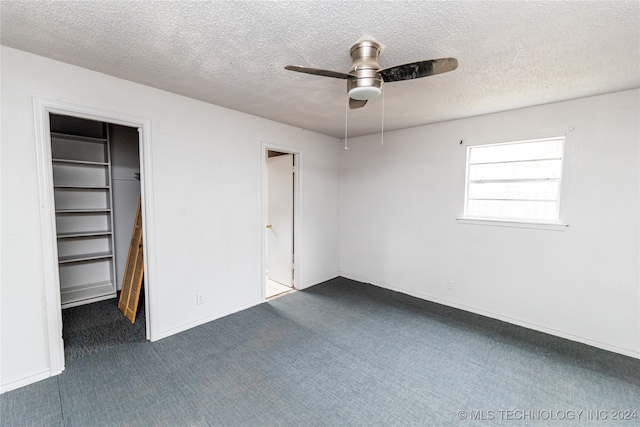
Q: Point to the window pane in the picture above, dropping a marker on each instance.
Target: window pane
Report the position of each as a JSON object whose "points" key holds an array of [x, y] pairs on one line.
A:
{"points": [[515, 190], [518, 180], [519, 151], [543, 169], [512, 209]]}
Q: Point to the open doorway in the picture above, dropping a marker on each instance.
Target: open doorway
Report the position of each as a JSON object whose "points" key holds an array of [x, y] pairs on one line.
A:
{"points": [[96, 189], [43, 108], [282, 168]]}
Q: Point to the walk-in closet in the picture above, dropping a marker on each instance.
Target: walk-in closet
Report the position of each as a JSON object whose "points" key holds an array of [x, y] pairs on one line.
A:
{"points": [[96, 180]]}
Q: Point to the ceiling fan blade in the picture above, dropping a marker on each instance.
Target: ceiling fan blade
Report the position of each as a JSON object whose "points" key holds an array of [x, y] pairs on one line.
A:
{"points": [[416, 70], [318, 72], [355, 103]]}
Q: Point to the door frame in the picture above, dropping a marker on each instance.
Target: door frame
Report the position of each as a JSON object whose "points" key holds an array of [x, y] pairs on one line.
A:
{"points": [[297, 211], [42, 108]]}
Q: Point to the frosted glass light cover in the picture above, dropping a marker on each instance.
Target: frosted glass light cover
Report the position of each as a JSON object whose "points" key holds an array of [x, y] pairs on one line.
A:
{"points": [[364, 93]]}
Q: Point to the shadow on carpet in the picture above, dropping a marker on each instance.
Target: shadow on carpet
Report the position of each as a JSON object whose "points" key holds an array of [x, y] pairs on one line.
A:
{"points": [[91, 328]]}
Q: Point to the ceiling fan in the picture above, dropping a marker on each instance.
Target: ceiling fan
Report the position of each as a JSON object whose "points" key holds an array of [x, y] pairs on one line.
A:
{"points": [[365, 77]]}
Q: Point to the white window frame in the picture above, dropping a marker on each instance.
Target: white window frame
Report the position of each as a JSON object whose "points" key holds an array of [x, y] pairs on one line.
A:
{"points": [[548, 224]]}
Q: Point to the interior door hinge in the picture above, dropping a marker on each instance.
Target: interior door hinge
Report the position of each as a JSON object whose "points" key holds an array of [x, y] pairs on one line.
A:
{"points": [[295, 169]]}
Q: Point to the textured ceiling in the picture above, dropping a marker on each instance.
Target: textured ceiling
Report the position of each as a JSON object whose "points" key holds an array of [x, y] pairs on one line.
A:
{"points": [[511, 54]]}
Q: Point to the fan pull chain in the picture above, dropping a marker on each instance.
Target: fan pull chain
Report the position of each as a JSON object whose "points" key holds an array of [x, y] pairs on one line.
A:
{"points": [[346, 122], [382, 130]]}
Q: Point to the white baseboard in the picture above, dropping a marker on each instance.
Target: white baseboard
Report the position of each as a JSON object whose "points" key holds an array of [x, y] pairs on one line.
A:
{"points": [[515, 321], [21, 382], [317, 282], [189, 325]]}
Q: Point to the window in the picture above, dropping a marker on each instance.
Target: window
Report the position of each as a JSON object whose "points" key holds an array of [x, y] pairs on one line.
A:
{"points": [[516, 181]]}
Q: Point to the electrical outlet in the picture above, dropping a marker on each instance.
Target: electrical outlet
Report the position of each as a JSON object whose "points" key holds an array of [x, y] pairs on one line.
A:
{"points": [[450, 285], [199, 299]]}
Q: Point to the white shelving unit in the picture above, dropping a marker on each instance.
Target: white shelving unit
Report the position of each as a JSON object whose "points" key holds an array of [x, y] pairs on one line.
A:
{"points": [[84, 217]]}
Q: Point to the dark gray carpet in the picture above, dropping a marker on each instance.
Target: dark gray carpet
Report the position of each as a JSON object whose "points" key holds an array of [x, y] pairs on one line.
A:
{"points": [[91, 328], [342, 353]]}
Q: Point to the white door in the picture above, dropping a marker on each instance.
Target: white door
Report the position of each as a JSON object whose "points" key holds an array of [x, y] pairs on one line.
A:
{"points": [[280, 219]]}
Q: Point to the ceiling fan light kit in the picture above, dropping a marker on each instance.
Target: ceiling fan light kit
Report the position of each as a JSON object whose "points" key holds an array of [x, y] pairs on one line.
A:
{"points": [[365, 77], [365, 93]]}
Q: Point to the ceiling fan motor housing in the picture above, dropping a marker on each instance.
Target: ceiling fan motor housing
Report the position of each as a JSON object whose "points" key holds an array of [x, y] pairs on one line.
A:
{"points": [[368, 83]]}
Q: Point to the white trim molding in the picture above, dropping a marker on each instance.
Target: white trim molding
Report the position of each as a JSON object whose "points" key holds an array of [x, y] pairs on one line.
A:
{"points": [[519, 224], [24, 381], [42, 108], [626, 351], [297, 211]]}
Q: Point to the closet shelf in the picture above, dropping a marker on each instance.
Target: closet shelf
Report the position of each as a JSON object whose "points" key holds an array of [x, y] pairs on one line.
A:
{"points": [[84, 257], [80, 162], [83, 187], [83, 234], [86, 286], [72, 211], [73, 296], [78, 137]]}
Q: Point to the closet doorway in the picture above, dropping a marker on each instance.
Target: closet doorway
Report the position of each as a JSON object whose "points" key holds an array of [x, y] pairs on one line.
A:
{"points": [[281, 191], [96, 189]]}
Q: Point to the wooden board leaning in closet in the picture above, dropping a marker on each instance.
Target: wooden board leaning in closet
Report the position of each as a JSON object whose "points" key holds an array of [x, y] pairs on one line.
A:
{"points": [[134, 270]]}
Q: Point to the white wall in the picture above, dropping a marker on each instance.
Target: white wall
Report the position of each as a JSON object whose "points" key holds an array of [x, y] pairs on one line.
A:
{"points": [[207, 192], [398, 228], [125, 163]]}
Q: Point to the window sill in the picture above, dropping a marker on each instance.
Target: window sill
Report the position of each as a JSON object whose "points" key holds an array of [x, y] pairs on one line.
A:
{"points": [[514, 223]]}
